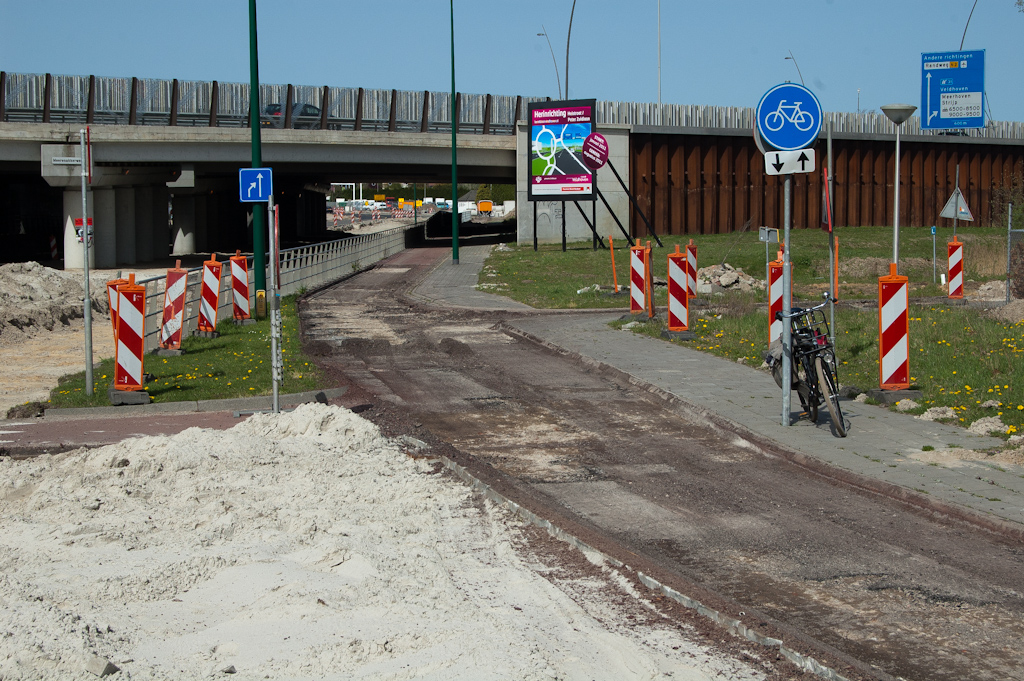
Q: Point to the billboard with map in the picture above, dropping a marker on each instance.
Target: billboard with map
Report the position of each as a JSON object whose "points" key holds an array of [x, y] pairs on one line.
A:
{"points": [[557, 171]]}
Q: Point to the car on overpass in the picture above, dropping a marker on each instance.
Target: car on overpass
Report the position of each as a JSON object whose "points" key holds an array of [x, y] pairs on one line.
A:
{"points": [[304, 116]]}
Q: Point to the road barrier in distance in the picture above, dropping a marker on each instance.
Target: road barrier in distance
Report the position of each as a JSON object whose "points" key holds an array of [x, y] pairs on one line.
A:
{"points": [[955, 250], [775, 292], [637, 279], [615, 275], [131, 330], [678, 296], [209, 299], [174, 308], [649, 279], [691, 268], [112, 300], [893, 331], [240, 286]]}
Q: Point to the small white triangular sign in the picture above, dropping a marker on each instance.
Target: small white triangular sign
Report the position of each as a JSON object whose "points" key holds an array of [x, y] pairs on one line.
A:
{"points": [[956, 207]]}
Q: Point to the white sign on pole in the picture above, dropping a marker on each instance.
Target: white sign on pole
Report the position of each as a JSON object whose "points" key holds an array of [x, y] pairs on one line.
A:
{"points": [[788, 162], [956, 207]]}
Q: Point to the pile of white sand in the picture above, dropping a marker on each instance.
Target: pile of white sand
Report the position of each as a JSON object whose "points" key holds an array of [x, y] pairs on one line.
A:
{"points": [[295, 546], [35, 299]]}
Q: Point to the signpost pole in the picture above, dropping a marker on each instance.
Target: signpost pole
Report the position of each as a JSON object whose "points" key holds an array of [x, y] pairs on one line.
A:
{"points": [[933, 254], [787, 306], [956, 208], [563, 226], [259, 263], [455, 163], [87, 311], [275, 308], [829, 187]]}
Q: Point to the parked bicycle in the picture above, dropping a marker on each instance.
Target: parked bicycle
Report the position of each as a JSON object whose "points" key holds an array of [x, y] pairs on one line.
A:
{"points": [[814, 377]]}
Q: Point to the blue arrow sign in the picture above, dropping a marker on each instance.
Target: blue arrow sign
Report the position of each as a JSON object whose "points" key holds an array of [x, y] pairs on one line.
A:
{"points": [[952, 90], [255, 185], [789, 117]]}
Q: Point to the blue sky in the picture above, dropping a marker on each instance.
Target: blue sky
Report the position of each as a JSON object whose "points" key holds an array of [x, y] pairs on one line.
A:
{"points": [[725, 52]]}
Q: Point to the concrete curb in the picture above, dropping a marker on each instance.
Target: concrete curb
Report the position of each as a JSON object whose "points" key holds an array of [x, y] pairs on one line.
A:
{"points": [[774, 448], [231, 404]]}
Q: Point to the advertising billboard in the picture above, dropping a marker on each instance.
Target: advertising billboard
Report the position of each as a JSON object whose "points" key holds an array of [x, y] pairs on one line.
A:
{"points": [[557, 171]]}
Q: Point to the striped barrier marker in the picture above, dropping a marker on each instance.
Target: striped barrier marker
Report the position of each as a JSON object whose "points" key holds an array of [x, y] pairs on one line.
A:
{"points": [[112, 300], [131, 329], [893, 332], [678, 296], [649, 280], [691, 268], [210, 298], [956, 268], [240, 285], [637, 279], [53, 247], [174, 308], [775, 292]]}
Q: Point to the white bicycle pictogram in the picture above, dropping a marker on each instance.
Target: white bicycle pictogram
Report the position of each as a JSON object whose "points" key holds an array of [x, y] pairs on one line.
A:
{"points": [[776, 119]]}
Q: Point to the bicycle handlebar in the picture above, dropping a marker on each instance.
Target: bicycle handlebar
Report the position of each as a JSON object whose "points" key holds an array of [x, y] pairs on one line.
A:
{"points": [[780, 315]]}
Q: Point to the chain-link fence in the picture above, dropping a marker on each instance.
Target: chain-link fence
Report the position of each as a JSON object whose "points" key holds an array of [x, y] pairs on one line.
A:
{"points": [[1014, 252]]}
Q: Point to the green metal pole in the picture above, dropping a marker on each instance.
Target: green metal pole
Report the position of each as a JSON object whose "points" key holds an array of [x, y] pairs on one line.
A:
{"points": [[455, 165], [259, 259]]}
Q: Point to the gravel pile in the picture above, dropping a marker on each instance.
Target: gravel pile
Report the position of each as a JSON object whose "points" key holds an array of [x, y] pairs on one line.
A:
{"points": [[725, 277], [35, 299]]}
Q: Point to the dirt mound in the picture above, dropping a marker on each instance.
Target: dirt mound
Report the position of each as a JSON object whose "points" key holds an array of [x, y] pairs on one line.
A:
{"points": [[1011, 313], [36, 299], [857, 268]]}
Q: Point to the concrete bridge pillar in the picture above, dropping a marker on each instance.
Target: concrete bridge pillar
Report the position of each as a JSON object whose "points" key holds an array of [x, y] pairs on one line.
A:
{"points": [[124, 225], [161, 226], [184, 207], [105, 226], [73, 210], [144, 224], [201, 223]]}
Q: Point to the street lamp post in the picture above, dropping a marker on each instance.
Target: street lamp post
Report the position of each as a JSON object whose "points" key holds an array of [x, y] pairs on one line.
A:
{"points": [[567, 37], [558, 78], [797, 68], [898, 114]]}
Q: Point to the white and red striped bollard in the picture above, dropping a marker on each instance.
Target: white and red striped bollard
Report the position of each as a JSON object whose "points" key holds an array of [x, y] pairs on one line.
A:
{"points": [[691, 268], [112, 300], [775, 291], [53, 247], [637, 279], [240, 285], [174, 307], [131, 330], [893, 332], [956, 268], [210, 298], [678, 297]]}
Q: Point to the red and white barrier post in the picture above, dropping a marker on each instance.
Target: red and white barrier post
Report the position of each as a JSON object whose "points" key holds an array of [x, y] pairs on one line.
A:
{"points": [[131, 330], [775, 291], [112, 300], [956, 268], [240, 286], [678, 296], [691, 268], [637, 279], [893, 331], [53, 247], [209, 301], [174, 308]]}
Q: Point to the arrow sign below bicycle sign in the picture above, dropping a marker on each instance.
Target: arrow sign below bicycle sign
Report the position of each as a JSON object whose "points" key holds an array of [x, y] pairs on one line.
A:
{"points": [[788, 117], [788, 162]]}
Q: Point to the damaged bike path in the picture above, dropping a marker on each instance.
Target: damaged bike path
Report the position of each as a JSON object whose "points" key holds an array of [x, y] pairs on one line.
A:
{"points": [[882, 453]]}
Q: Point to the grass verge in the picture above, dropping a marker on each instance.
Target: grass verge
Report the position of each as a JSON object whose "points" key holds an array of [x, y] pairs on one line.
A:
{"points": [[235, 365]]}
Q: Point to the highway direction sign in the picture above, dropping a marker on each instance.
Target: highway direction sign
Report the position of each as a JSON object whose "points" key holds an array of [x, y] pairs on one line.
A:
{"points": [[787, 162], [255, 185], [788, 117], [952, 90]]}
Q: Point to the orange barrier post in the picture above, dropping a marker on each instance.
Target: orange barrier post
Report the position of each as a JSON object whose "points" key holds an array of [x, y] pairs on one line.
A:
{"points": [[112, 300], [240, 285], [174, 307], [893, 331], [210, 299], [131, 329], [835, 271], [774, 298], [691, 268], [956, 268], [678, 297], [615, 275], [637, 280]]}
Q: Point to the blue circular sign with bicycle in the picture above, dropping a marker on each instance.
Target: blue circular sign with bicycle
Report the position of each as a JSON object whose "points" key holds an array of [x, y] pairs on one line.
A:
{"points": [[789, 117]]}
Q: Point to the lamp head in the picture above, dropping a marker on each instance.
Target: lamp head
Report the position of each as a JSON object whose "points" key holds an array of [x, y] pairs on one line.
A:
{"points": [[898, 113]]}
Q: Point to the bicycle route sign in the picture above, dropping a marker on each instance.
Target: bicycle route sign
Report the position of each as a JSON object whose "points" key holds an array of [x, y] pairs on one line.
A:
{"points": [[788, 117], [952, 90]]}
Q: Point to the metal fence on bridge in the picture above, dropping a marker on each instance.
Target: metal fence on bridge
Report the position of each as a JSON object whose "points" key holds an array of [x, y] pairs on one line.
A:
{"points": [[102, 100], [303, 268]]}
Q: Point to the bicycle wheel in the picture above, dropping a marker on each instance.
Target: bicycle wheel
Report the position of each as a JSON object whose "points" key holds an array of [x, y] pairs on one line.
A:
{"points": [[803, 121], [827, 384], [774, 121], [805, 390]]}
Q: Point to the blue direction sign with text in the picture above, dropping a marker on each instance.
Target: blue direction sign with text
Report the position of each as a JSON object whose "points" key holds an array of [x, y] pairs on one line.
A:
{"points": [[255, 185], [952, 90], [789, 117]]}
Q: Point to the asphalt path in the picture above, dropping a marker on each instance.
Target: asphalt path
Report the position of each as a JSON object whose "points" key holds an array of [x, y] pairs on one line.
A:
{"points": [[877, 587]]}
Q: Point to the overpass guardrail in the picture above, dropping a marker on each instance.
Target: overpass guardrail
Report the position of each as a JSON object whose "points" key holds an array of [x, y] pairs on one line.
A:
{"points": [[47, 98], [302, 268]]}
